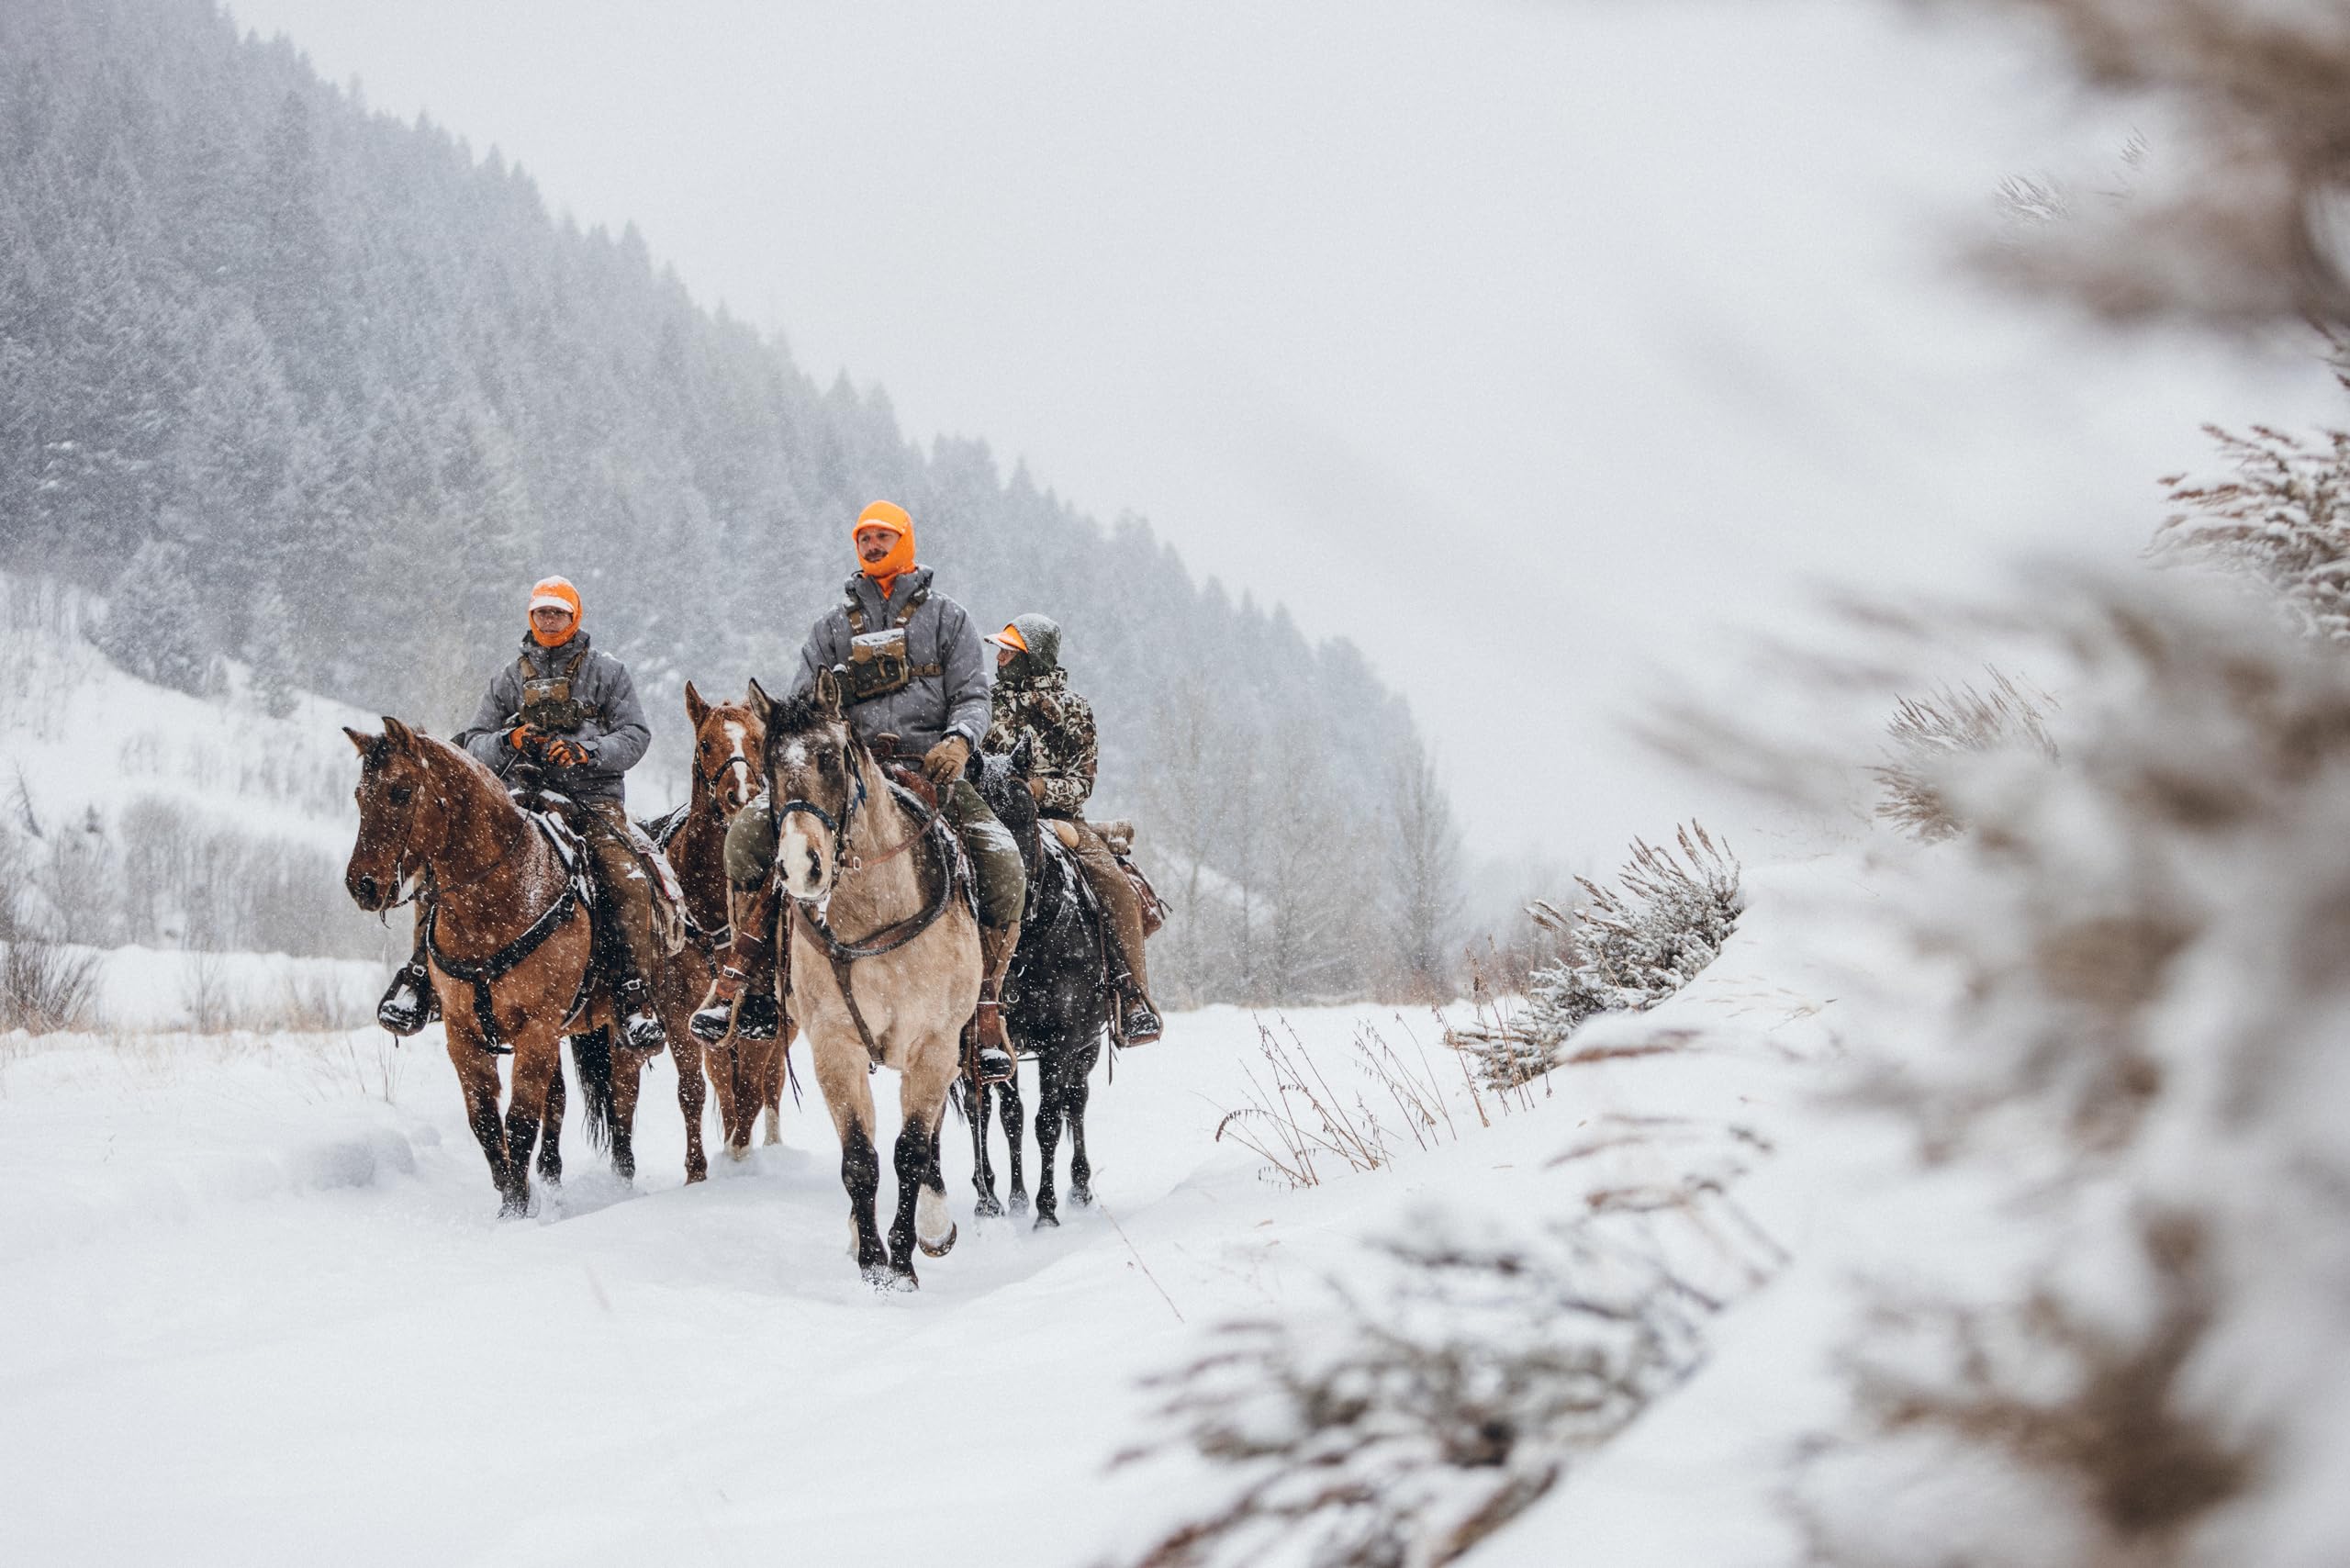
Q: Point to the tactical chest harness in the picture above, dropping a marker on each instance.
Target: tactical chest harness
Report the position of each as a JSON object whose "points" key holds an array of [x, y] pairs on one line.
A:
{"points": [[880, 662], [547, 701]]}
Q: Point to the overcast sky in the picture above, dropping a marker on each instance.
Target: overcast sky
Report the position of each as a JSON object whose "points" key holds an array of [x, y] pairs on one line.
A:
{"points": [[1539, 349]]}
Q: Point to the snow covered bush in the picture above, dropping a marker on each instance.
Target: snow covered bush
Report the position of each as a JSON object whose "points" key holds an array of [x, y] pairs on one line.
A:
{"points": [[1926, 732], [1448, 1384], [1620, 951], [2138, 1058], [2282, 519]]}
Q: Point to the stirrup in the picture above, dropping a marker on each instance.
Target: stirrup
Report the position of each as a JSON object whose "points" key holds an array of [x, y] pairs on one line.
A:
{"points": [[641, 1027], [409, 1005], [1140, 1023]]}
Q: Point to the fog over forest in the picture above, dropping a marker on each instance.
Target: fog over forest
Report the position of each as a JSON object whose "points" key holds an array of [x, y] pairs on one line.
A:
{"points": [[304, 387]]}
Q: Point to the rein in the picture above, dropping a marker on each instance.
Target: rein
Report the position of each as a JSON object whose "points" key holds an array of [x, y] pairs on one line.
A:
{"points": [[480, 972]]}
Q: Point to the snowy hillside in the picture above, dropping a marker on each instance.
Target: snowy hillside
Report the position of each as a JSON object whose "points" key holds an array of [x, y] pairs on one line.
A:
{"points": [[186, 837]]}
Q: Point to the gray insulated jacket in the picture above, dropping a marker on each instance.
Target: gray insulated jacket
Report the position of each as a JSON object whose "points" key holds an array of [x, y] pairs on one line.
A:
{"points": [[614, 735], [930, 706]]}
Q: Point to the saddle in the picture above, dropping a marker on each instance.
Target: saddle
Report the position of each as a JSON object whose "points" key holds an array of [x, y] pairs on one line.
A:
{"points": [[1118, 837]]}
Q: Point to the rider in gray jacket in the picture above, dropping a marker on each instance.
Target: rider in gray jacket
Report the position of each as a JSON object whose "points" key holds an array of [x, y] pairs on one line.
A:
{"points": [[912, 668]]}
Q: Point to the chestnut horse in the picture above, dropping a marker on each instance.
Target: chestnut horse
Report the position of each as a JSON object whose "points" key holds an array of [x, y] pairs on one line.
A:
{"points": [[897, 989], [728, 772], [506, 918]]}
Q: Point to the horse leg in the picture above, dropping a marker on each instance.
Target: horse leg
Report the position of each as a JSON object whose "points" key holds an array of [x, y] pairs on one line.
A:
{"points": [[550, 1136], [771, 1075], [477, 1076], [840, 1073], [1051, 1100], [692, 1090], [628, 1079], [535, 1062], [986, 1205], [923, 1214], [1015, 1116], [1080, 1091]]}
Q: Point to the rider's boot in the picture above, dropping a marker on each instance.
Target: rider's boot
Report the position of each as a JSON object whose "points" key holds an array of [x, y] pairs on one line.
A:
{"points": [[741, 995], [1138, 1021], [641, 1026], [996, 947], [409, 1004]]}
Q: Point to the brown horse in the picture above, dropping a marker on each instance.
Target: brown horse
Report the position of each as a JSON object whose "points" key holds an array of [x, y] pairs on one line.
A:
{"points": [[729, 769], [507, 930], [898, 988]]}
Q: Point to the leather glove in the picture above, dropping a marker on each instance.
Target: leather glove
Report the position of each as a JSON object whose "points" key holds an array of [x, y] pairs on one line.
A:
{"points": [[943, 764], [528, 739], [1037, 790], [565, 753]]}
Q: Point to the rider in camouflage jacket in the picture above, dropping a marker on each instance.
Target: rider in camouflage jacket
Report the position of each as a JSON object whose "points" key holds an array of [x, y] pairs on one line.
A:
{"points": [[1033, 701]]}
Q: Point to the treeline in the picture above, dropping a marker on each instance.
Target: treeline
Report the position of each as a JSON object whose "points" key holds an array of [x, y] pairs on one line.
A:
{"points": [[312, 387]]}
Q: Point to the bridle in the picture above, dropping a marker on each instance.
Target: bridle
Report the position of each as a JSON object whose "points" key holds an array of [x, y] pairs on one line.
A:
{"points": [[847, 862], [706, 784]]}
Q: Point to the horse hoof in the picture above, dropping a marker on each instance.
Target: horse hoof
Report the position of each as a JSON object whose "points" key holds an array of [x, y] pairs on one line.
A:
{"points": [[1020, 1203], [1081, 1196], [988, 1207], [941, 1248], [738, 1152], [697, 1173], [889, 1277], [514, 1208], [1046, 1220]]}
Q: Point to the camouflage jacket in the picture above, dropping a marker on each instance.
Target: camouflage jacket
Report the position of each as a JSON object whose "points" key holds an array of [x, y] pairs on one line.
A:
{"points": [[1059, 725]]}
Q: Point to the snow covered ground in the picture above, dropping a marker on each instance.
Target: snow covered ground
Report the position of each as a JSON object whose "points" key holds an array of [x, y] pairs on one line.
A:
{"points": [[257, 1302]]}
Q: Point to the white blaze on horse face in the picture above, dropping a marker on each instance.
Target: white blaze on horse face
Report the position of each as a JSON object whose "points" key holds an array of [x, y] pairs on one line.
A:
{"points": [[737, 780], [796, 854]]}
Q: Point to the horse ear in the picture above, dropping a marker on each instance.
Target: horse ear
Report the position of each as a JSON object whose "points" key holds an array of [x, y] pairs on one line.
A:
{"points": [[365, 745], [828, 693], [696, 709], [397, 733], [761, 703], [1022, 754]]}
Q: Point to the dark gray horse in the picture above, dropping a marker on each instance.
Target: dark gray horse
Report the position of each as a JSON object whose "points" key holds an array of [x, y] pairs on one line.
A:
{"points": [[1056, 1002]]}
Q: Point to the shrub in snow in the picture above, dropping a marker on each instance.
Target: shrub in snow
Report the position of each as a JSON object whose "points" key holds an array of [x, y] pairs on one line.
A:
{"points": [[1620, 951], [2149, 949], [2281, 519], [1927, 732], [1450, 1382]]}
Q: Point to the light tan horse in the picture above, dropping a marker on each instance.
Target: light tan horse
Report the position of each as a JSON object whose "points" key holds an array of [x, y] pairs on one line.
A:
{"points": [[729, 768], [885, 961], [509, 948]]}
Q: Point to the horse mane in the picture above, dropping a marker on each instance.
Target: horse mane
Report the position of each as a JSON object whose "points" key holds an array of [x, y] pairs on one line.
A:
{"points": [[797, 714]]}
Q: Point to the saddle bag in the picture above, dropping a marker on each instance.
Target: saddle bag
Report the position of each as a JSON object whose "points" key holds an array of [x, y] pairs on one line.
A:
{"points": [[1120, 838]]}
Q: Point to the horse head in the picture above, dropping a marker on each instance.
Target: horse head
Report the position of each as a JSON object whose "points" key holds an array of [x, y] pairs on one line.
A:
{"points": [[1003, 785], [729, 766], [402, 819], [815, 768]]}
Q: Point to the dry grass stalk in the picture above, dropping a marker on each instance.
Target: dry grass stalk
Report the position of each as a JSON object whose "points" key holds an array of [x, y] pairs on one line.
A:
{"points": [[1929, 733]]}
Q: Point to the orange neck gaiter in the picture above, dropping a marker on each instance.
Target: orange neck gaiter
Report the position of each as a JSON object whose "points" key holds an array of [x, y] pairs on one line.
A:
{"points": [[543, 640]]}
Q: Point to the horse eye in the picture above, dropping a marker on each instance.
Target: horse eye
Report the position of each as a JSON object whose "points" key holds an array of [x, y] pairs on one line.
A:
{"points": [[400, 793]]}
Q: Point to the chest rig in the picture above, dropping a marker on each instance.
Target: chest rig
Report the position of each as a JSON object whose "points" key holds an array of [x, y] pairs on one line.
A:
{"points": [[547, 701], [880, 662]]}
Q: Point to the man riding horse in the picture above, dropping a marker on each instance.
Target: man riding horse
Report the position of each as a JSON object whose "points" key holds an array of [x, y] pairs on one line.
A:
{"points": [[912, 671], [570, 712], [1033, 701]]}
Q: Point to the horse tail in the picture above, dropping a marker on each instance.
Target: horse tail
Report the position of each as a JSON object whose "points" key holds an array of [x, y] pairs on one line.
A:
{"points": [[592, 1054]]}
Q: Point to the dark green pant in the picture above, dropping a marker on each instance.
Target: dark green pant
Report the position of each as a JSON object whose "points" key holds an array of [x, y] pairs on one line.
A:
{"points": [[995, 856]]}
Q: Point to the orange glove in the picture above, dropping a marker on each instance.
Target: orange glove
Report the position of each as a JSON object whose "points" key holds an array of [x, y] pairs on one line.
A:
{"points": [[527, 739], [567, 754]]}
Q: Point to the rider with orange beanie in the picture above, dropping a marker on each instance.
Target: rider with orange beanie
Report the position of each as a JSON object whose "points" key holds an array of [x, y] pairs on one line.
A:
{"points": [[568, 710], [911, 669]]}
